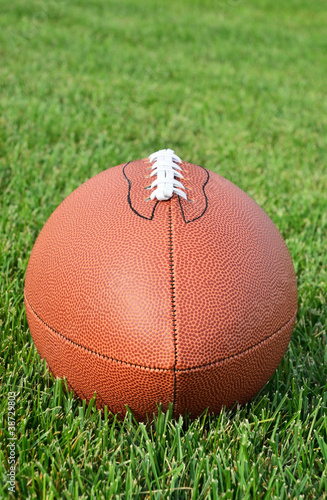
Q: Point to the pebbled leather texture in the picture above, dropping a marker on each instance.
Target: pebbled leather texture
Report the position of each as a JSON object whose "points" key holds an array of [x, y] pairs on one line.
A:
{"points": [[191, 302]]}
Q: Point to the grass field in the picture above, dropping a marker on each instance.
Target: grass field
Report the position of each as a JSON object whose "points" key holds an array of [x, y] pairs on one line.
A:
{"points": [[237, 86]]}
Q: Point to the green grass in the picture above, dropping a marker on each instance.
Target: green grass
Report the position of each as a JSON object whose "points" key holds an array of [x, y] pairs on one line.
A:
{"points": [[236, 86]]}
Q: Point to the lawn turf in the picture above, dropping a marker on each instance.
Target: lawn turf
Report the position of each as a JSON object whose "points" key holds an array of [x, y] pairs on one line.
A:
{"points": [[236, 86]]}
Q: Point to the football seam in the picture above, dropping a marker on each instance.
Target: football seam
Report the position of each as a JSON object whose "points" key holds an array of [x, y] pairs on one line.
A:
{"points": [[179, 370], [173, 297]]}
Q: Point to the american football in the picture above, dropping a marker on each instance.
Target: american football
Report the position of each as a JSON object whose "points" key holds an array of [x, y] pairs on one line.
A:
{"points": [[160, 282]]}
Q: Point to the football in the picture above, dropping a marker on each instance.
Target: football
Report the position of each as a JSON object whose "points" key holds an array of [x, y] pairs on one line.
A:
{"points": [[160, 282]]}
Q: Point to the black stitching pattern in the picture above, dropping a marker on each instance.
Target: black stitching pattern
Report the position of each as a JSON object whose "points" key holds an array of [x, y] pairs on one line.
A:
{"points": [[159, 369], [205, 197], [129, 197]]}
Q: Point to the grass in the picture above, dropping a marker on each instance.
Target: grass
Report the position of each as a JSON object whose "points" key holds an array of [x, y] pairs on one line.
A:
{"points": [[237, 86]]}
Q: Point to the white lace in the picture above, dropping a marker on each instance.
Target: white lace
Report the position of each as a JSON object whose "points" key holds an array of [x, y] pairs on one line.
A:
{"points": [[166, 169]]}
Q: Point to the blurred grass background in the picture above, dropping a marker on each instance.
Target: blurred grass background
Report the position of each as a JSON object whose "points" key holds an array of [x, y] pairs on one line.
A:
{"points": [[236, 86]]}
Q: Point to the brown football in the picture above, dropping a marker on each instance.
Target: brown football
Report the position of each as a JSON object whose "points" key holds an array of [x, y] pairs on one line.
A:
{"points": [[158, 281]]}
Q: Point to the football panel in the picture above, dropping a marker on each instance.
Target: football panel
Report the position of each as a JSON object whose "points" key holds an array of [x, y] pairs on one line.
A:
{"points": [[234, 280], [99, 274], [117, 384], [234, 380]]}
